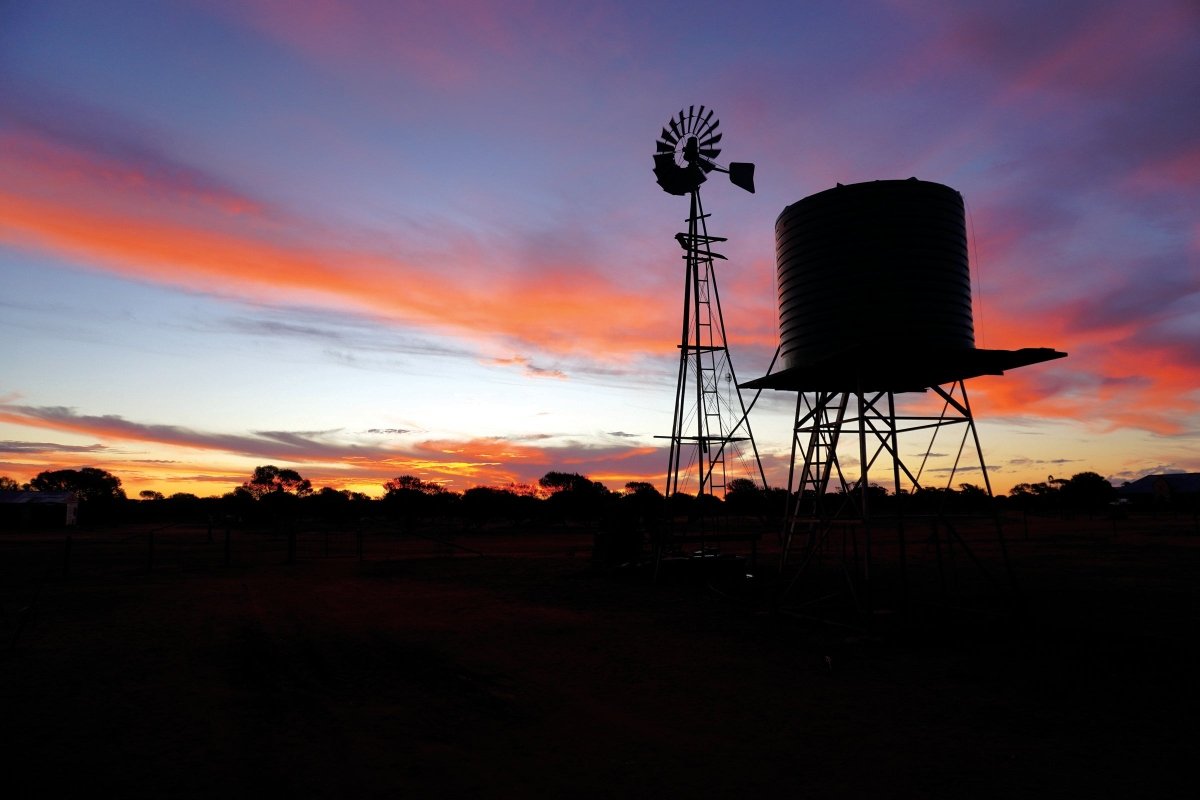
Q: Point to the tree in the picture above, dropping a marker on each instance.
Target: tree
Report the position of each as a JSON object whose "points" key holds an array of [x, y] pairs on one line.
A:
{"points": [[483, 504], [330, 504], [150, 494], [91, 484], [409, 498], [972, 497], [555, 482], [1041, 497], [184, 505], [239, 504], [271, 480], [411, 483], [572, 496], [642, 503], [7, 484], [1088, 491], [99, 491], [743, 497]]}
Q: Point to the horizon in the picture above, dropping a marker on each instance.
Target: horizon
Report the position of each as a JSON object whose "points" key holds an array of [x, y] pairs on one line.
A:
{"points": [[372, 239]]}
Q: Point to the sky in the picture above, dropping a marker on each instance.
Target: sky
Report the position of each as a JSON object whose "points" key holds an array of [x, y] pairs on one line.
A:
{"points": [[369, 239]]}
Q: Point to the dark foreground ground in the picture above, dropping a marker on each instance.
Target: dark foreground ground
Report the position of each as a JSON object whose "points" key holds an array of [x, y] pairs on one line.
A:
{"points": [[507, 666]]}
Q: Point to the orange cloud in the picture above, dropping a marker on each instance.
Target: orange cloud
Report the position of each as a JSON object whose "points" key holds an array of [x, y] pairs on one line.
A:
{"points": [[136, 225], [219, 462], [1143, 390]]}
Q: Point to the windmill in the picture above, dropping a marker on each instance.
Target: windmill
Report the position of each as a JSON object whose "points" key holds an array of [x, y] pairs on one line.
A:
{"points": [[710, 427]]}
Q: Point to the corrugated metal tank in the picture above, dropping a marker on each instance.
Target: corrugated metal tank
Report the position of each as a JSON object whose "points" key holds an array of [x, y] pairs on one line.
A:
{"points": [[873, 267]]}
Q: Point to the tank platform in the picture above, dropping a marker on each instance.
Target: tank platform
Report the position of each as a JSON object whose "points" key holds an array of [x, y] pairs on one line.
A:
{"points": [[877, 370]]}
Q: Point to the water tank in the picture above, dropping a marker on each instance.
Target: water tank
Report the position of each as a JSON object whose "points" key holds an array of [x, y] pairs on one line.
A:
{"points": [[873, 268]]}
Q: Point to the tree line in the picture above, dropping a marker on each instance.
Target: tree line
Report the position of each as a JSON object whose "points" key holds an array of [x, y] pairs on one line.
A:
{"points": [[557, 498]]}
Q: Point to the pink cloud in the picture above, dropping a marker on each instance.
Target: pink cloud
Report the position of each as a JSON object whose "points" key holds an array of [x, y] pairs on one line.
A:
{"points": [[451, 46], [145, 225], [1173, 171]]}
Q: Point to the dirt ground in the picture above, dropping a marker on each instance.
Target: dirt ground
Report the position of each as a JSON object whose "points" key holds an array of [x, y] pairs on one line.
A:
{"points": [[507, 665]]}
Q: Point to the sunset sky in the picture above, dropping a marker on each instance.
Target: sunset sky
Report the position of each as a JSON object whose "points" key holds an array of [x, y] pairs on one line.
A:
{"points": [[368, 239]]}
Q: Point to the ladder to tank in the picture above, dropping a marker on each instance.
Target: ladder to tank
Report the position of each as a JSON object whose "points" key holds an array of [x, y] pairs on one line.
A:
{"points": [[822, 422], [706, 364]]}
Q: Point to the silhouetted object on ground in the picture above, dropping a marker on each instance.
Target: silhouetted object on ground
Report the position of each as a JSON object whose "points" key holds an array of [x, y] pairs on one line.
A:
{"points": [[574, 498], [100, 493], [875, 301], [410, 499], [38, 509], [270, 479], [90, 483], [1165, 485], [1174, 491], [710, 429]]}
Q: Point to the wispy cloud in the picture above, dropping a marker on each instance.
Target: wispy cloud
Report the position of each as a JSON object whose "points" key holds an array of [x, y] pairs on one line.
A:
{"points": [[270, 444], [33, 448], [333, 457], [528, 367]]}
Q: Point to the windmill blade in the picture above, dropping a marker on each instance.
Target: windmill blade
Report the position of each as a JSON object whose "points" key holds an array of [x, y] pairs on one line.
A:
{"points": [[691, 116], [668, 137], [711, 140], [681, 118], [713, 129], [711, 111], [665, 147], [710, 153], [675, 128]]}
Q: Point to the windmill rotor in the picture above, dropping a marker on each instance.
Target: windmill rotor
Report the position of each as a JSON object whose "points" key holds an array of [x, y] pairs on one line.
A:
{"points": [[686, 151]]}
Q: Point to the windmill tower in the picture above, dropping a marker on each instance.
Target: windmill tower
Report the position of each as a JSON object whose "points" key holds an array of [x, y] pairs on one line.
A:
{"points": [[875, 313], [711, 440]]}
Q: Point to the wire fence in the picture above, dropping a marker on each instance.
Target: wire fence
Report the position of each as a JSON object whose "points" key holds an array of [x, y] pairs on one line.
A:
{"points": [[32, 559]]}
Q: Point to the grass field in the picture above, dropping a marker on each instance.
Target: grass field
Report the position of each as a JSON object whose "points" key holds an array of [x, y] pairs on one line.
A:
{"points": [[504, 664]]}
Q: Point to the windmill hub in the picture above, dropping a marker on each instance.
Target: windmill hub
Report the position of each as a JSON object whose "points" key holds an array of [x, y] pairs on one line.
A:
{"points": [[687, 150]]}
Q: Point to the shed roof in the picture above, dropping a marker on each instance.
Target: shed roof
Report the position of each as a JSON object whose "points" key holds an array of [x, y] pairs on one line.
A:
{"points": [[39, 498], [1178, 481]]}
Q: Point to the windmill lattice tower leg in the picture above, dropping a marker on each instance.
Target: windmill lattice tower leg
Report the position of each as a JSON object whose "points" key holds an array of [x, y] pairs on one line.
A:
{"points": [[710, 427], [829, 509]]}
